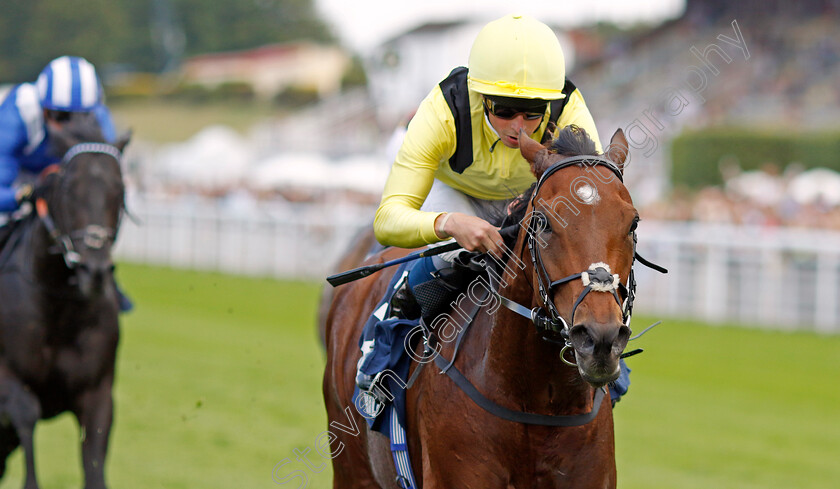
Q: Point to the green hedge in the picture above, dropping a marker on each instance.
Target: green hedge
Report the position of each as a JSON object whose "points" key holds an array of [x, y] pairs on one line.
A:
{"points": [[696, 155], [196, 93]]}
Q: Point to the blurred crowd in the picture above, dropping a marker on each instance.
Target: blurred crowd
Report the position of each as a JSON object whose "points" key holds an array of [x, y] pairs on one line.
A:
{"points": [[766, 197], [787, 80], [793, 71], [789, 77]]}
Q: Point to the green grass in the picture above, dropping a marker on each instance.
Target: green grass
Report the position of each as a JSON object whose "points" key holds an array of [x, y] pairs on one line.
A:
{"points": [[219, 380], [730, 408]]}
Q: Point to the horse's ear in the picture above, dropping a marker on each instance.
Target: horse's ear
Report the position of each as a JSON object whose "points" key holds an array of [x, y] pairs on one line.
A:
{"points": [[535, 153], [618, 150], [123, 140]]}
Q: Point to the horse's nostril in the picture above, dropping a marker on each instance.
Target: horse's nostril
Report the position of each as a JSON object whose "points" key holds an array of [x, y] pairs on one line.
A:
{"points": [[582, 339], [598, 339], [620, 342], [624, 334]]}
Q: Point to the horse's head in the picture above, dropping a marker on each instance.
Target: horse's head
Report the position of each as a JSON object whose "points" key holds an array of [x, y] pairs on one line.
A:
{"points": [[81, 201], [581, 224]]}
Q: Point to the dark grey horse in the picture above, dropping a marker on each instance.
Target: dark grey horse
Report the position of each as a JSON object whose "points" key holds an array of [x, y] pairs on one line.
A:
{"points": [[58, 304]]}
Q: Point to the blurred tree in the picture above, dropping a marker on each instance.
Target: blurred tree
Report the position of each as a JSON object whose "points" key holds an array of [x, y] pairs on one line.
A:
{"points": [[36, 32], [219, 25], [11, 37], [355, 75], [144, 35]]}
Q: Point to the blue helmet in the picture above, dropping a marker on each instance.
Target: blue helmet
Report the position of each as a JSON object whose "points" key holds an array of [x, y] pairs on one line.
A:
{"points": [[69, 84]]}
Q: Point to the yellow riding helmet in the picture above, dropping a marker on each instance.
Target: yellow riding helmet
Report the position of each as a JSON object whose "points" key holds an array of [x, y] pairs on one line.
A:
{"points": [[517, 56]]}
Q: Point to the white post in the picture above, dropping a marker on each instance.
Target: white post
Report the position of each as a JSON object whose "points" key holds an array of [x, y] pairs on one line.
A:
{"points": [[826, 292], [716, 286]]}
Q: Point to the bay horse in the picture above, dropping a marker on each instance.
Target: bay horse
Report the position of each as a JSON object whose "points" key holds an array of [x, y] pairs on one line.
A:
{"points": [[58, 305], [579, 218]]}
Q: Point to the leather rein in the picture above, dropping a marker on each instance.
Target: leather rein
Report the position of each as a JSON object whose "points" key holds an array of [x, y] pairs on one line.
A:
{"points": [[551, 324], [93, 236], [598, 277]]}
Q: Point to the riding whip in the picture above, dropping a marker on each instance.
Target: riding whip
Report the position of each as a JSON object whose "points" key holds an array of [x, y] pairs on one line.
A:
{"points": [[362, 272]]}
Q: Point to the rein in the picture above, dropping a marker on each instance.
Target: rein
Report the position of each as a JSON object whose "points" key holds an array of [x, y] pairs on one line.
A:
{"points": [[598, 277], [448, 367], [93, 236], [565, 420]]}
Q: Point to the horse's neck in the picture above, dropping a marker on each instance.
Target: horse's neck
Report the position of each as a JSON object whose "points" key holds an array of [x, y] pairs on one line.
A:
{"points": [[519, 362]]}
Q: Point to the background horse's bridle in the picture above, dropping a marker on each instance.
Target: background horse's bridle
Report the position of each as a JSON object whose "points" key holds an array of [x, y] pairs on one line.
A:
{"points": [[93, 236]]}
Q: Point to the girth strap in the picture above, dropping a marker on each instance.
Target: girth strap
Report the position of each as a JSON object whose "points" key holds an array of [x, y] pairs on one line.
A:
{"points": [[399, 451]]}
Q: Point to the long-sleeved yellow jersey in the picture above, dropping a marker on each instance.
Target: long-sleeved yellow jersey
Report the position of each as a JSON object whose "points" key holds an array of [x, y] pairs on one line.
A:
{"points": [[497, 172]]}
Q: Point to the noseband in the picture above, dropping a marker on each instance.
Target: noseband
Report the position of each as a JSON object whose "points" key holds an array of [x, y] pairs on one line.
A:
{"points": [[598, 277], [549, 324], [93, 236]]}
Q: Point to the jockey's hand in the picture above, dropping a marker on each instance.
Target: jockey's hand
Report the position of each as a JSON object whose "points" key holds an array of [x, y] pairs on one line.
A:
{"points": [[23, 193], [473, 233]]}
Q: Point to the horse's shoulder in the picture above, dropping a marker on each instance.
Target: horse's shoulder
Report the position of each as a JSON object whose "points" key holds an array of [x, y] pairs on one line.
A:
{"points": [[390, 253]]}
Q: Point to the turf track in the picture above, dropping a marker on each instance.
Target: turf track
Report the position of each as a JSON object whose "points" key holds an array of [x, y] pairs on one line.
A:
{"points": [[219, 380]]}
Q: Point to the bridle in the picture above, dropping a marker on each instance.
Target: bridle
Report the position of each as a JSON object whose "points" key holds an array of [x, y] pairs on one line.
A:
{"points": [[598, 277], [548, 321], [93, 236]]}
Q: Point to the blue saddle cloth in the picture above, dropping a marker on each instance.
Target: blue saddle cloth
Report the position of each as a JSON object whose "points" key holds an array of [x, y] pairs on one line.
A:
{"points": [[389, 355]]}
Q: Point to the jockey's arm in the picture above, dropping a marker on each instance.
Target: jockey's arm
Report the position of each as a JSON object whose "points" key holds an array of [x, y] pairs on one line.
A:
{"points": [[8, 173], [429, 140], [106, 123], [12, 139]]}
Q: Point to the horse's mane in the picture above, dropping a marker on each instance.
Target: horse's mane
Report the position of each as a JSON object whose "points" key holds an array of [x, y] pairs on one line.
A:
{"points": [[569, 141]]}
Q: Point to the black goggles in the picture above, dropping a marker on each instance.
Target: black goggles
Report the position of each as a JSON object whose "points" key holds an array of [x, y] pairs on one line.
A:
{"points": [[508, 112], [59, 115]]}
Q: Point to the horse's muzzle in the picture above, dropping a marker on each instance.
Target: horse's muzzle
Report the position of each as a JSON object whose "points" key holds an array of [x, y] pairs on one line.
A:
{"points": [[92, 278], [598, 348]]}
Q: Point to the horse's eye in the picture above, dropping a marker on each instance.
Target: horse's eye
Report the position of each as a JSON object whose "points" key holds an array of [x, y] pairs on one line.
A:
{"points": [[541, 223], [634, 225]]}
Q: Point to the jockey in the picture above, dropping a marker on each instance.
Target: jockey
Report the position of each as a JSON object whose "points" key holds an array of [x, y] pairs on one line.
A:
{"points": [[67, 85], [435, 191], [459, 166]]}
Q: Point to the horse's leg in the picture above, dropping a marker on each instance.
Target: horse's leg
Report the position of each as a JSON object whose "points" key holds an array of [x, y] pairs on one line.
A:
{"points": [[350, 456], [351, 466], [20, 406], [8, 442], [381, 460], [94, 409]]}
